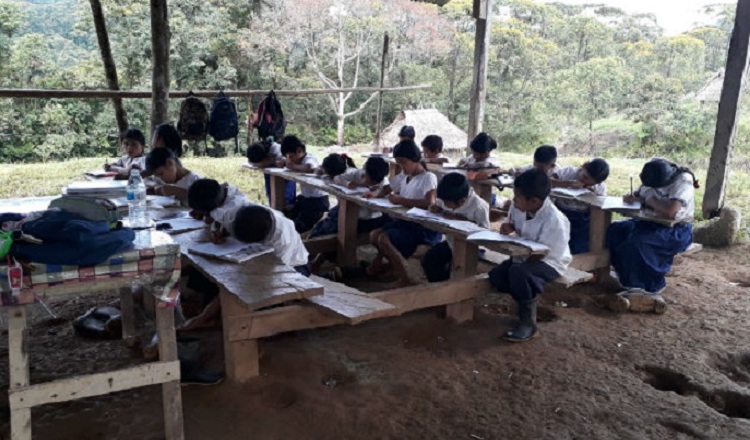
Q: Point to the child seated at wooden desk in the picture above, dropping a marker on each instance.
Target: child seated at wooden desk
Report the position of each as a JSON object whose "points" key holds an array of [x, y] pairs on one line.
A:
{"points": [[545, 159], [414, 187], [166, 167], [455, 200], [642, 251], [253, 223], [209, 200], [591, 175], [133, 143], [312, 204], [532, 216], [480, 165], [432, 150], [267, 154]]}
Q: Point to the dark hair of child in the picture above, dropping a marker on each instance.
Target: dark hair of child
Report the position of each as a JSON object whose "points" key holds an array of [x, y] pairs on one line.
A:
{"points": [[598, 169], [453, 187], [134, 134], [407, 131], [433, 143], [376, 169], [171, 138], [407, 149], [253, 224], [533, 183], [256, 153], [482, 143], [204, 195], [336, 164], [158, 158], [545, 154], [291, 144], [660, 172]]}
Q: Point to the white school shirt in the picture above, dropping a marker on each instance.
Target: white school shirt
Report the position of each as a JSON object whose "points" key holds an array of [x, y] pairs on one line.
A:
{"points": [[549, 227], [470, 162], [307, 190], [415, 188], [517, 171], [235, 198], [184, 183], [358, 176], [681, 190], [128, 162], [286, 242], [475, 209], [275, 151], [570, 174]]}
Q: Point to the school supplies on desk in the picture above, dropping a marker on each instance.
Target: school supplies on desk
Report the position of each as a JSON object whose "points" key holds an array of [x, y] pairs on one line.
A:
{"points": [[231, 250], [571, 192], [352, 191], [177, 225], [98, 174], [98, 188], [461, 225], [493, 236], [505, 179], [618, 203], [162, 201], [383, 203]]}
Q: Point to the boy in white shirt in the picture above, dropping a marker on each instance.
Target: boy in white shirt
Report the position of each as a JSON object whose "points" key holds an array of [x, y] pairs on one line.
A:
{"points": [[432, 149], [455, 200], [312, 204], [545, 159], [133, 143], [267, 154], [167, 168], [210, 200], [591, 175], [532, 216]]}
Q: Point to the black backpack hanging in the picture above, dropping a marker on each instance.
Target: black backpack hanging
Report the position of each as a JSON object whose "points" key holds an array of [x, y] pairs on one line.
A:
{"points": [[224, 123], [270, 118], [193, 122]]}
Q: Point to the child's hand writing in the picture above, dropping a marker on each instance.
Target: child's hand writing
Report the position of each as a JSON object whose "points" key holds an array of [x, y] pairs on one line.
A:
{"points": [[395, 198], [630, 198], [507, 229], [107, 167], [435, 209], [368, 195]]}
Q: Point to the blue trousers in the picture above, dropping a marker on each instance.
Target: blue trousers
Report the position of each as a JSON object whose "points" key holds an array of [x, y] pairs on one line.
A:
{"points": [[642, 252], [290, 190], [406, 236], [524, 281], [580, 222], [330, 224]]}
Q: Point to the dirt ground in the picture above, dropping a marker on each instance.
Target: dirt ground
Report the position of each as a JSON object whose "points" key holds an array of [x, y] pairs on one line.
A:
{"points": [[591, 374]]}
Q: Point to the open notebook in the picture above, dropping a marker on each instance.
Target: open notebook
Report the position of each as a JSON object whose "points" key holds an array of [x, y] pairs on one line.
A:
{"points": [[232, 250], [461, 225], [501, 238]]}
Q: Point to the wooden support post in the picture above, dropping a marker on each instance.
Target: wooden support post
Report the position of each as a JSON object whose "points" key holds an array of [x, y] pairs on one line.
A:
{"points": [[170, 391], [483, 190], [127, 310], [726, 119], [110, 69], [160, 36], [482, 14], [278, 189], [346, 239], [18, 358], [379, 120], [598, 226], [465, 256], [241, 358]]}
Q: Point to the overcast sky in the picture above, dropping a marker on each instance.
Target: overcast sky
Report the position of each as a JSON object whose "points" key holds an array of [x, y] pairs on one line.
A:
{"points": [[675, 16]]}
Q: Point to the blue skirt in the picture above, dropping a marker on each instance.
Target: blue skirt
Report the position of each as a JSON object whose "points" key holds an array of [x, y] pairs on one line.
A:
{"points": [[580, 223], [642, 252], [406, 236]]}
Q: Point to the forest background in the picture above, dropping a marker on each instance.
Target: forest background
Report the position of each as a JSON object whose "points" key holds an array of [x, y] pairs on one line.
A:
{"points": [[592, 79]]}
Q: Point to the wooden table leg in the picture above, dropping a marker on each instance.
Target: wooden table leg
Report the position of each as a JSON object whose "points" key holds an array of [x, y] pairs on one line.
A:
{"points": [[20, 418], [241, 358], [346, 239], [483, 190], [465, 256], [171, 394], [278, 192], [128, 316], [600, 221]]}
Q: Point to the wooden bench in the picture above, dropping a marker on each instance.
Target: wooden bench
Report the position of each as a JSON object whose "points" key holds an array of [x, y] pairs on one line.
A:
{"points": [[569, 278], [351, 304]]}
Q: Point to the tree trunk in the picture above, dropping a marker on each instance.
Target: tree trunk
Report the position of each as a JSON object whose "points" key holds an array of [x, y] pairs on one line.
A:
{"points": [[340, 130], [160, 36], [482, 11], [109, 63], [726, 119], [379, 120]]}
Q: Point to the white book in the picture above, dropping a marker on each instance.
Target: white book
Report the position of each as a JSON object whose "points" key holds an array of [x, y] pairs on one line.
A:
{"points": [[354, 191], [571, 192], [176, 225], [98, 187], [231, 250], [383, 203], [619, 203], [461, 225], [505, 180], [502, 238]]}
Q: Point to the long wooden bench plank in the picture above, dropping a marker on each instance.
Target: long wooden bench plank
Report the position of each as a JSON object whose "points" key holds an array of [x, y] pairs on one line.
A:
{"points": [[569, 278], [355, 306]]}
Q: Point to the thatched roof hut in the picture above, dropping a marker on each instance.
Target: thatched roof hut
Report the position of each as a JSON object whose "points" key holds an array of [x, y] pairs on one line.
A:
{"points": [[711, 91], [425, 122]]}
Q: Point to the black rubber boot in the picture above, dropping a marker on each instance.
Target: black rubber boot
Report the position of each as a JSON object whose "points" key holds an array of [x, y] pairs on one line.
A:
{"points": [[527, 326], [191, 373]]}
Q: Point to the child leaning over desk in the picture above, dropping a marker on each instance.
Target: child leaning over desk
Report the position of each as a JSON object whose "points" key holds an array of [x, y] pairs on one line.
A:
{"points": [[642, 251], [311, 205], [532, 216], [209, 200], [267, 154], [591, 175], [133, 144], [165, 166], [414, 187], [455, 200]]}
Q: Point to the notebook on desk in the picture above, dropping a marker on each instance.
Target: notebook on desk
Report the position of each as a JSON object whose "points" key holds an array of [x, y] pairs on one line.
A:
{"points": [[492, 236], [231, 250], [98, 188]]}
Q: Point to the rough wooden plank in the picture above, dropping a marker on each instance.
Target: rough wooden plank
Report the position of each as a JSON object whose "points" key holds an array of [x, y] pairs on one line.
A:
{"points": [[346, 249], [465, 256], [600, 221], [436, 294], [241, 357], [160, 39], [128, 316], [572, 276], [322, 244], [479, 78], [20, 418], [20, 424], [353, 305], [591, 261], [460, 312], [94, 384], [278, 189]]}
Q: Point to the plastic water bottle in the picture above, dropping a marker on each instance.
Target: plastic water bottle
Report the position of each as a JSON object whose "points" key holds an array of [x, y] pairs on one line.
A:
{"points": [[137, 210]]}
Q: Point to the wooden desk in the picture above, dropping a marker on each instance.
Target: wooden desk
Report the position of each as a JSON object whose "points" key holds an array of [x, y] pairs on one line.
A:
{"points": [[156, 263]]}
